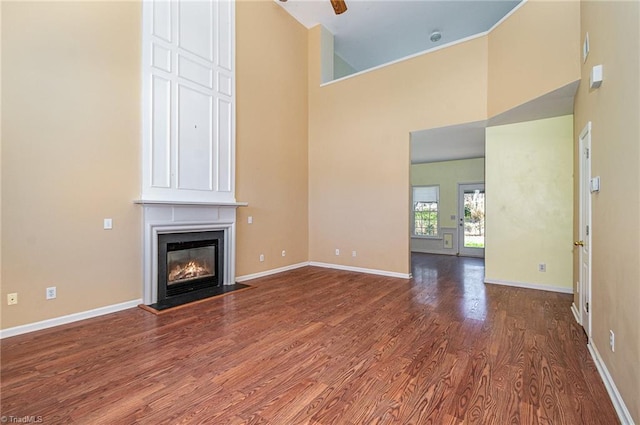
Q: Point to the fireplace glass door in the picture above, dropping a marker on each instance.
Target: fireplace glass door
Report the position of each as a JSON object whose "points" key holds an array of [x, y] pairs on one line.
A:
{"points": [[185, 265], [189, 262]]}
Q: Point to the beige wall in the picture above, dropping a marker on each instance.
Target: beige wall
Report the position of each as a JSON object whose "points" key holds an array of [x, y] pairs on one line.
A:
{"points": [[1, 291], [614, 110], [70, 157], [71, 128], [527, 58], [359, 148], [359, 127], [529, 210], [271, 61], [71, 142]]}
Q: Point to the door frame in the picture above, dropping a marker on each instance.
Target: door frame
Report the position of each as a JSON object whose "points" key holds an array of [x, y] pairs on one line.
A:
{"points": [[462, 251], [585, 230]]}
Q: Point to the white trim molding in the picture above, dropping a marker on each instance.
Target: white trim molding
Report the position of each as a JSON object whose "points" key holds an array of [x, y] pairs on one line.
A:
{"points": [[70, 318], [188, 76], [618, 403], [169, 218], [576, 315], [445, 251], [361, 270], [192, 203], [265, 273], [527, 285]]}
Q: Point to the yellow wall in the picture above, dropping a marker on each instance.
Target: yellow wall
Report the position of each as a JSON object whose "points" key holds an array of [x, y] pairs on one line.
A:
{"points": [[614, 109], [70, 157], [448, 174], [271, 146], [529, 210]]}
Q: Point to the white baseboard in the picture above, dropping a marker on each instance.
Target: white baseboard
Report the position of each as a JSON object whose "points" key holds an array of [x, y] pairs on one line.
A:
{"points": [[270, 272], [361, 270], [530, 286], [618, 403], [444, 251], [576, 315], [70, 318]]}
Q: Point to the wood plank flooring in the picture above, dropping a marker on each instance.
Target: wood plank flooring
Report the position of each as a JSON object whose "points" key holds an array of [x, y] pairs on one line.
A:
{"points": [[318, 346]]}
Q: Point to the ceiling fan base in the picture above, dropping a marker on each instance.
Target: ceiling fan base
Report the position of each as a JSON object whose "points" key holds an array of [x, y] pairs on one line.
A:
{"points": [[339, 6]]}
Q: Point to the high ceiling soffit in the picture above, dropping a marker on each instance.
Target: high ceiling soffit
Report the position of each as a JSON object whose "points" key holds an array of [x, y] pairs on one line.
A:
{"points": [[467, 140]]}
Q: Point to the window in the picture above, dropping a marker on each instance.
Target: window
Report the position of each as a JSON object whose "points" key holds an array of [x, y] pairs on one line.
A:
{"points": [[425, 210]]}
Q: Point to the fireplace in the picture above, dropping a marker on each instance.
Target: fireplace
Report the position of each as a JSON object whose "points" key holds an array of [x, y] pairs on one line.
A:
{"points": [[171, 220], [190, 264]]}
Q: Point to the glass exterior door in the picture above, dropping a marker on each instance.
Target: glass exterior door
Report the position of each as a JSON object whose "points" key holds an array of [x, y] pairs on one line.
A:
{"points": [[471, 201]]}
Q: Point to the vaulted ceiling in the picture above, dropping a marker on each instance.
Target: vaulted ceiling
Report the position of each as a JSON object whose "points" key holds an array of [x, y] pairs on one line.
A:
{"points": [[374, 32]]}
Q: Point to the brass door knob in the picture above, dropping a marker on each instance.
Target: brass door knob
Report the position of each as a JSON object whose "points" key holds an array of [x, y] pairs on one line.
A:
{"points": [[579, 243]]}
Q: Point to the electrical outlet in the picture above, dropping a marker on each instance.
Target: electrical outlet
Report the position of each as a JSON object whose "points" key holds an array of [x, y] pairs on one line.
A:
{"points": [[337, 251], [51, 292], [353, 253], [284, 253], [542, 267], [261, 258], [12, 298], [108, 224], [448, 240], [612, 340], [250, 220]]}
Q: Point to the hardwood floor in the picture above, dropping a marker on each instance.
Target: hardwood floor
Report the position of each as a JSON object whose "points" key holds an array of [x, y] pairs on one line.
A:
{"points": [[318, 346]]}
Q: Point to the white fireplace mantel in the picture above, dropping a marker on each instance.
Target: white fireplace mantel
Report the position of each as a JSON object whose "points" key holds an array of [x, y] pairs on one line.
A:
{"points": [[179, 217], [192, 203]]}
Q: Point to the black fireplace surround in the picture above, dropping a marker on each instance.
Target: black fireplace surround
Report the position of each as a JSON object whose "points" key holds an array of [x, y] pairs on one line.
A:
{"points": [[190, 265]]}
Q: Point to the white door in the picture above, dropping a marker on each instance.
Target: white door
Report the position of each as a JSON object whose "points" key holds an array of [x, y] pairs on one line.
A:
{"points": [[584, 242], [471, 220]]}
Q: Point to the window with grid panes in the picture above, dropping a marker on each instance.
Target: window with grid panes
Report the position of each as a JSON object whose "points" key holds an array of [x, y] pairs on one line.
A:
{"points": [[425, 210]]}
